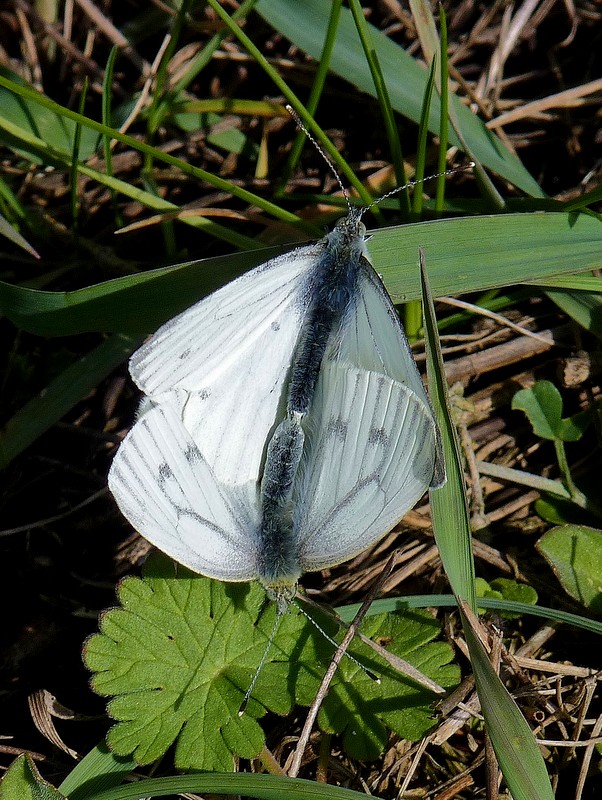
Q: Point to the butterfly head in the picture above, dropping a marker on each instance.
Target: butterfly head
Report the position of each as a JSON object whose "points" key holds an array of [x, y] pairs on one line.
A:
{"points": [[282, 593]]}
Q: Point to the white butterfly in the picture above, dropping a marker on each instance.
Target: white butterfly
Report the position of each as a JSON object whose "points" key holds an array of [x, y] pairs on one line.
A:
{"points": [[369, 451], [235, 363]]}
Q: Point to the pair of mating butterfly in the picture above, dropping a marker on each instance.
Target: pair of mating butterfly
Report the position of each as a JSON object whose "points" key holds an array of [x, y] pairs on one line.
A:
{"points": [[285, 426]]}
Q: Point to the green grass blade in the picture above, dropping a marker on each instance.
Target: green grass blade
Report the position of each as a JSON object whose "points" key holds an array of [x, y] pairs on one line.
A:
{"points": [[448, 503], [422, 140], [495, 604], [71, 386], [464, 255], [75, 158], [98, 770], [316, 91], [518, 754], [263, 787], [444, 115], [304, 21], [384, 101]]}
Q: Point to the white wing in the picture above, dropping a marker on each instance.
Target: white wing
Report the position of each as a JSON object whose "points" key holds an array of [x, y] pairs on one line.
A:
{"points": [[373, 338], [370, 456], [168, 492], [223, 363]]}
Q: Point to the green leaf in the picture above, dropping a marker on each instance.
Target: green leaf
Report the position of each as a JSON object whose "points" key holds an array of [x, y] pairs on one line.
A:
{"points": [[542, 403], [178, 656], [180, 653], [22, 781], [574, 553], [557, 511], [515, 592], [364, 712]]}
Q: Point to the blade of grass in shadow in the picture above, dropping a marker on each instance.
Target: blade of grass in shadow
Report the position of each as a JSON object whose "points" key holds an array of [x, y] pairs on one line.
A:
{"points": [[517, 752], [315, 93], [448, 503], [106, 113], [385, 104], [77, 137], [444, 115], [263, 787], [61, 394], [161, 96], [13, 235]]}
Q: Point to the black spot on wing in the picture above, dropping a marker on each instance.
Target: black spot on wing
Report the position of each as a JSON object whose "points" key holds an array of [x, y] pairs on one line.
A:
{"points": [[192, 455], [165, 472]]}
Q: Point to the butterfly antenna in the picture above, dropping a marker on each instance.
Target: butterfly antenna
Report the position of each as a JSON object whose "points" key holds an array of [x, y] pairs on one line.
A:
{"points": [[335, 644], [243, 706], [321, 151], [446, 173]]}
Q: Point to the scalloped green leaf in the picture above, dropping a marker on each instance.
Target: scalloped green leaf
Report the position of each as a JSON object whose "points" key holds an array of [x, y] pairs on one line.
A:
{"points": [[363, 711], [177, 658], [22, 781], [574, 553], [179, 654]]}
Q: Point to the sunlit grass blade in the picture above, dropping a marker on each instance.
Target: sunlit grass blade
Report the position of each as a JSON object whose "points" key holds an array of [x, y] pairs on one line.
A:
{"points": [[315, 93], [518, 755], [517, 752], [97, 771], [384, 101], [464, 255], [448, 503], [389, 604]]}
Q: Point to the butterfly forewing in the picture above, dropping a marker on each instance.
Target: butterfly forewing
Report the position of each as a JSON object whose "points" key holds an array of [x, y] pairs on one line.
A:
{"points": [[223, 363]]}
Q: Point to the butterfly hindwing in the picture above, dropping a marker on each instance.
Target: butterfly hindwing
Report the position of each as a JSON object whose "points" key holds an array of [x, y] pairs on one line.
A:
{"points": [[168, 491], [369, 458]]}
